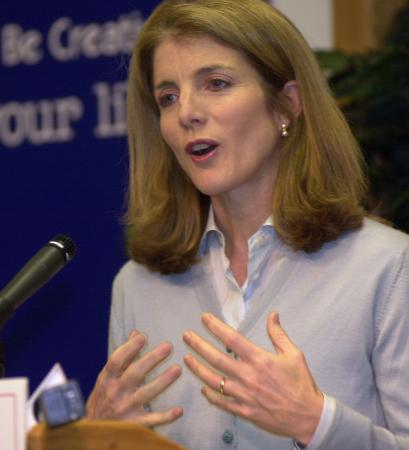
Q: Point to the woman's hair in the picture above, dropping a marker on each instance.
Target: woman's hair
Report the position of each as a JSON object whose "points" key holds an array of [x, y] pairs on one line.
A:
{"points": [[320, 185]]}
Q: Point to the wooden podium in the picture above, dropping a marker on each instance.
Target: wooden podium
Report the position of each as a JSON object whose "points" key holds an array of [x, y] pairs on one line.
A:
{"points": [[98, 435]]}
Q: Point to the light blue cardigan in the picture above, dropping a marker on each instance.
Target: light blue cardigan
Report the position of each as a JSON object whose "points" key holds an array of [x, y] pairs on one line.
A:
{"points": [[347, 308]]}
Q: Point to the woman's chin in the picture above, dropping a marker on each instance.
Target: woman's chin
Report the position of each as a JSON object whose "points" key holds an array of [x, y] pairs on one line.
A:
{"points": [[211, 189]]}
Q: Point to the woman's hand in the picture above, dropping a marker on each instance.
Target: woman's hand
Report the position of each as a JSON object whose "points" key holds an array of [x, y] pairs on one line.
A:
{"points": [[120, 392], [274, 391]]}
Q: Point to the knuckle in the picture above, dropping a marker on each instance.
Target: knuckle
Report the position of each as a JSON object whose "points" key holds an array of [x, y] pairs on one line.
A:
{"points": [[244, 410], [113, 365], [101, 382], [219, 359], [261, 359], [298, 355], [112, 394], [247, 374], [254, 385], [270, 364], [101, 379], [232, 340]]}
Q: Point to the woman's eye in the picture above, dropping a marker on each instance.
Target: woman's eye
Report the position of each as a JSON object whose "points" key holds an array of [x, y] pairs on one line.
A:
{"points": [[167, 99], [218, 83]]}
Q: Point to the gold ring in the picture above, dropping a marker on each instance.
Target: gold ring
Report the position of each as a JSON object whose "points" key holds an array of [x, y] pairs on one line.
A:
{"points": [[221, 385]]}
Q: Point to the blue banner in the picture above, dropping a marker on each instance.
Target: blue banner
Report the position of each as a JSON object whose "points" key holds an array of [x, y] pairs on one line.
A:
{"points": [[63, 165]]}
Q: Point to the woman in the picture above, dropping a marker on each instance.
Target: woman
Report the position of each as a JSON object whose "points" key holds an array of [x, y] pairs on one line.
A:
{"points": [[245, 206]]}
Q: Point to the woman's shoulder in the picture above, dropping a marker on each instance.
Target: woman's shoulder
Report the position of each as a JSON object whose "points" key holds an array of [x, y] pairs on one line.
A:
{"points": [[375, 244], [135, 275], [383, 237], [132, 268]]}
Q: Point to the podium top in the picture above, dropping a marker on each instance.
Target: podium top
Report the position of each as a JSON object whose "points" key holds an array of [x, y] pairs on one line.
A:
{"points": [[98, 435]]}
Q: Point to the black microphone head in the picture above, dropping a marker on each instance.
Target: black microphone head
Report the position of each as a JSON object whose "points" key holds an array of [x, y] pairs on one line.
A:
{"points": [[65, 244]]}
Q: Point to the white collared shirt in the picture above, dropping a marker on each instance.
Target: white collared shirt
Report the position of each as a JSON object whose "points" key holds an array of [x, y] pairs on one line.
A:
{"points": [[235, 299]]}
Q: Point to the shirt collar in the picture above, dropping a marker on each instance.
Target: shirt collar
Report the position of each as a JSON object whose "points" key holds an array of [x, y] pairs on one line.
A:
{"points": [[212, 231]]}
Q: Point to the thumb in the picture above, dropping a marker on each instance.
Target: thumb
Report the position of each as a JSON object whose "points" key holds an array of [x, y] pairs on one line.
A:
{"points": [[282, 343]]}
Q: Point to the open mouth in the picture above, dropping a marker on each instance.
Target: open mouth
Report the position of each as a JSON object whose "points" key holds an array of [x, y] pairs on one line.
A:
{"points": [[202, 149]]}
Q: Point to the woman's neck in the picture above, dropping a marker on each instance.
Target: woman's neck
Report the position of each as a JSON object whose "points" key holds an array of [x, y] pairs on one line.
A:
{"points": [[238, 220]]}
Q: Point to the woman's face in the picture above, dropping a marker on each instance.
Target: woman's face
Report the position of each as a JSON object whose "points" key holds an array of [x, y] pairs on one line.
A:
{"points": [[214, 117]]}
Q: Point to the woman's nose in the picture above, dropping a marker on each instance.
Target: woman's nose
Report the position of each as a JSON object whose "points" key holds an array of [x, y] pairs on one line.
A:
{"points": [[191, 110]]}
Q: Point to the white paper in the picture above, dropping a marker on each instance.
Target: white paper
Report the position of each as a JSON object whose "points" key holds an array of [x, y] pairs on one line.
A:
{"points": [[55, 377], [13, 397]]}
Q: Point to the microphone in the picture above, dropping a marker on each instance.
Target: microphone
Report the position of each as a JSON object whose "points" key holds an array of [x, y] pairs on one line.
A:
{"points": [[36, 272]]}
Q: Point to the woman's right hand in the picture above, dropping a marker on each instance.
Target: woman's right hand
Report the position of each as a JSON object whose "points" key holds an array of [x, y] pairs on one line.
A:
{"points": [[120, 391]]}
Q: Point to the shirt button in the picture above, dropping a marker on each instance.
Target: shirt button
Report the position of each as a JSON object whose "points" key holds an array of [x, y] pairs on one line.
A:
{"points": [[228, 437]]}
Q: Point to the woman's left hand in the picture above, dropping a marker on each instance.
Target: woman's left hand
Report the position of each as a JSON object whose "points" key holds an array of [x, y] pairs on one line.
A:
{"points": [[275, 391]]}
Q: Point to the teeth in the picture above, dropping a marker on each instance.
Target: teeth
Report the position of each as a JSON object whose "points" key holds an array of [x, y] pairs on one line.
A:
{"points": [[200, 147]]}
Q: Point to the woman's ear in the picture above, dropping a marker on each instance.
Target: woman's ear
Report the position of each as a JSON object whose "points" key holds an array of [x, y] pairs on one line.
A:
{"points": [[291, 93]]}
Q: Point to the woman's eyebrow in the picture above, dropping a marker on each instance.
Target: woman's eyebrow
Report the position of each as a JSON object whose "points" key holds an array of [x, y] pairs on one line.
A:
{"points": [[213, 68], [202, 71]]}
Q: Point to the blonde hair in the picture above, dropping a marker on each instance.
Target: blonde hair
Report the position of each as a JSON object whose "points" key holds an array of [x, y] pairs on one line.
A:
{"points": [[320, 183]]}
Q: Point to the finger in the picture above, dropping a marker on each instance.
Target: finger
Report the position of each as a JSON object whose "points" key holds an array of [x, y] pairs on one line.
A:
{"points": [[91, 405], [232, 386], [219, 360], [282, 343], [140, 368], [123, 356], [133, 333], [160, 418], [206, 375], [149, 391], [228, 404], [229, 336]]}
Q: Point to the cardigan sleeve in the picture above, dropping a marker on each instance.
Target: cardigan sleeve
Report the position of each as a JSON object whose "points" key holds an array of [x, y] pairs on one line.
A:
{"points": [[390, 361]]}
